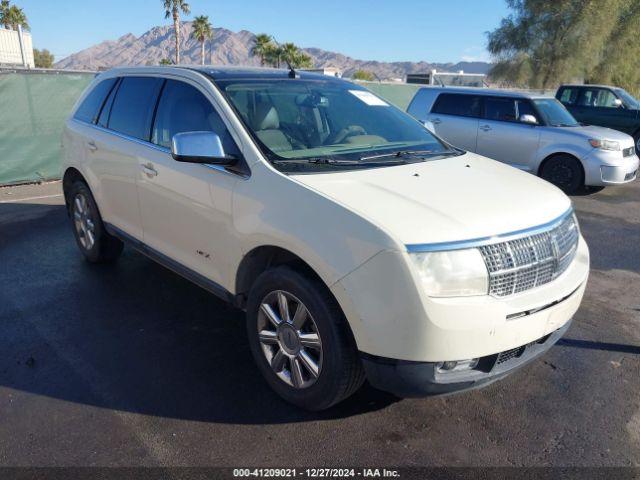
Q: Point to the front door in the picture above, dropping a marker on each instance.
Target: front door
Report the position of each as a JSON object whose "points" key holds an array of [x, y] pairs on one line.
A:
{"points": [[503, 137], [597, 106], [186, 207]]}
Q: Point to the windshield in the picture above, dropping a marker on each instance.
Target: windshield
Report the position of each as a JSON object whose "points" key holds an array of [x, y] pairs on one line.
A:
{"points": [[554, 113], [329, 123], [628, 99]]}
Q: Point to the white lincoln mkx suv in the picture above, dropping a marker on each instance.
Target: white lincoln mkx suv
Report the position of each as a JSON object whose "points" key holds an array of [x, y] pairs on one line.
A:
{"points": [[359, 244]]}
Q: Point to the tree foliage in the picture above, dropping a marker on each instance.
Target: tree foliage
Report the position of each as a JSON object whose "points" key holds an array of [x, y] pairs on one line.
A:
{"points": [[42, 58], [363, 75], [172, 9], [202, 31], [276, 55], [543, 43], [11, 16]]}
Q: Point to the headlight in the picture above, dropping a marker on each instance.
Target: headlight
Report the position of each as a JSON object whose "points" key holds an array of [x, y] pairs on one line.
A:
{"points": [[453, 273], [605, 144]]}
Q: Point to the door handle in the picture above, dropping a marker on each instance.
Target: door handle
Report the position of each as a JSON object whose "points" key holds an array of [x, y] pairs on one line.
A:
{"points": [[92, 145], [149, 170], [485, 128], [436, 121]]}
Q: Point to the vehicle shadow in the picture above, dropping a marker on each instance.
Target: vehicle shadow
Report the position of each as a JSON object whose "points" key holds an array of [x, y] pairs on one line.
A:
{"points": [[132, 336], [612, 347]]}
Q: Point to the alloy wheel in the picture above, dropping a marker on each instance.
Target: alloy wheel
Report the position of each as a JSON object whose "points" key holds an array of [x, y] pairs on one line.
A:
{"points": [[83, 221], [289, 339]]}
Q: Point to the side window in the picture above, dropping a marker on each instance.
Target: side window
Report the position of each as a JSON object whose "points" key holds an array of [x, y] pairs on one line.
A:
{"points": [[569, 96], [457, 104], [525, 108], [133, 106], [90, 106], [598, 97], [103, 119], [498, 108], [183, 108]]}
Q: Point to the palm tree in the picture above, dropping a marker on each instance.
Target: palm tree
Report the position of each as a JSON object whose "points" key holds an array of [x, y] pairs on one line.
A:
{"points": [[262, 44], [11, 16], [201, 31], [172, 9]]}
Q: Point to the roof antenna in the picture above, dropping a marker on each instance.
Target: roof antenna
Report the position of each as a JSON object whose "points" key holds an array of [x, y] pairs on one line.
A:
{"points": [[292, 71]]}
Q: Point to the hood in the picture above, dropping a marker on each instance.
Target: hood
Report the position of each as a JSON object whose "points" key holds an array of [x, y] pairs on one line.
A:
{"points": [[600, 133], [451, 199]]}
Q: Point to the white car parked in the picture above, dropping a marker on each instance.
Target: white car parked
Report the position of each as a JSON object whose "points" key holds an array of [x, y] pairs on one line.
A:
{"points": [[534, 133], [359, 244]]}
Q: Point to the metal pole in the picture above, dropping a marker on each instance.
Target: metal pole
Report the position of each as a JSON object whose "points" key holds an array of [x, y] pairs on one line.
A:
{"points": [[22, 52]]}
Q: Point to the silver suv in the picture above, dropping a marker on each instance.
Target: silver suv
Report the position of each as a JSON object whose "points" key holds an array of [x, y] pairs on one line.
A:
{"points": [[531, 132]]}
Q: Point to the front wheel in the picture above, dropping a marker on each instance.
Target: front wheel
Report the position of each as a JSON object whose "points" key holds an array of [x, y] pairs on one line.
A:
{"points": [[300, 340], [565, 172], [636, 139]]}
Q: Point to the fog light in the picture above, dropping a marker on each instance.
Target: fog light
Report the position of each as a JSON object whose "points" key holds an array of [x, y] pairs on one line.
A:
{"points": [[457, 366]]}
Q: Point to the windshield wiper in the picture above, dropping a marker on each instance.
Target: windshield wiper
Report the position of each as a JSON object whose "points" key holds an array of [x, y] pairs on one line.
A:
{"points": [[410, 153], [337, 161]]}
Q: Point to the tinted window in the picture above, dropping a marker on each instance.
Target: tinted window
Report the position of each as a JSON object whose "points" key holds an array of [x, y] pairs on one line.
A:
{"points": [[503, 109], [133, 107], [457, 104], [569, 96], [183, 108], [90, 106], [103, 119], [597, 97]]}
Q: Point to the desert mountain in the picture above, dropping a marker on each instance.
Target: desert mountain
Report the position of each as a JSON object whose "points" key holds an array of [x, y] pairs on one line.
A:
{"points": [[231, 48]]}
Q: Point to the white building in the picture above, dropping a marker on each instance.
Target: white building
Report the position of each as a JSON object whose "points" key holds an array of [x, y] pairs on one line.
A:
{"points": [[16, 48]]}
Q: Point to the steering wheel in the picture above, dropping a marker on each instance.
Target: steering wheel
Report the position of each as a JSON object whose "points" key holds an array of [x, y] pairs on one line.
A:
{"points": [[350, 131]]}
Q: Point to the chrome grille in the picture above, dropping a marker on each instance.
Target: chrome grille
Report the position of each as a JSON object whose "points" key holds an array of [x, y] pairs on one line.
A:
{"points": [[518, 265]]}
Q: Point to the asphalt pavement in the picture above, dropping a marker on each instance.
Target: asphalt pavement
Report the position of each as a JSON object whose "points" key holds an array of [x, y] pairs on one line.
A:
{"points": [[131, 365]]}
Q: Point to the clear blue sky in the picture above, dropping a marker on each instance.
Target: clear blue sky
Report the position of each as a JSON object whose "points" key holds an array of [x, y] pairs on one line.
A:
{"points": [[389, 30]]}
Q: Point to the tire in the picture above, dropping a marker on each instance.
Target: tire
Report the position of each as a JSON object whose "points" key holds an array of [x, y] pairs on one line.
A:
{"points": [[565, 172], [92, 239], [636, 140], [323, 336]]}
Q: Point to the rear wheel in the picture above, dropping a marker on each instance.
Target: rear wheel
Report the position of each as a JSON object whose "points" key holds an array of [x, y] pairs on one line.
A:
{"points": [[94, 242], [565, 172], [300, 340]]}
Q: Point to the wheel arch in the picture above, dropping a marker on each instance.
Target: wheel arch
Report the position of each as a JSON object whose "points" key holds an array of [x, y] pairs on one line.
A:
{"points": [[71, 175], [260, 259]]}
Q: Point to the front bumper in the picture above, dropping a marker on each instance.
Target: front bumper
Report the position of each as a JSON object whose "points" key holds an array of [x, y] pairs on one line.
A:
{"points": [[604, 168], [416, 379]]}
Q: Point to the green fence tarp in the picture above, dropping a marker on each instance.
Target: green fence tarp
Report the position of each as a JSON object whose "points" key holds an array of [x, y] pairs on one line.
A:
{"points": [[399, 94], [33, 108]]}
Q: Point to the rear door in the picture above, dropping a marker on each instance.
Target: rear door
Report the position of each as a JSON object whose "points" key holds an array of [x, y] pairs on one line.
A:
{"points": [[455, 119], [568, 96], [118, 140], [503, 137]]}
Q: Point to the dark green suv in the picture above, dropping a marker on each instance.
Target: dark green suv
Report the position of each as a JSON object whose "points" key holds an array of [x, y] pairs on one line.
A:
{"points": [[603, 105]]}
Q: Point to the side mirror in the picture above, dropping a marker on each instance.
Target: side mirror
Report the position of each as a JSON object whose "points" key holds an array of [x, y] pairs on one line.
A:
{"points": [[199, 147], [618, 103], [530, 119]]}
